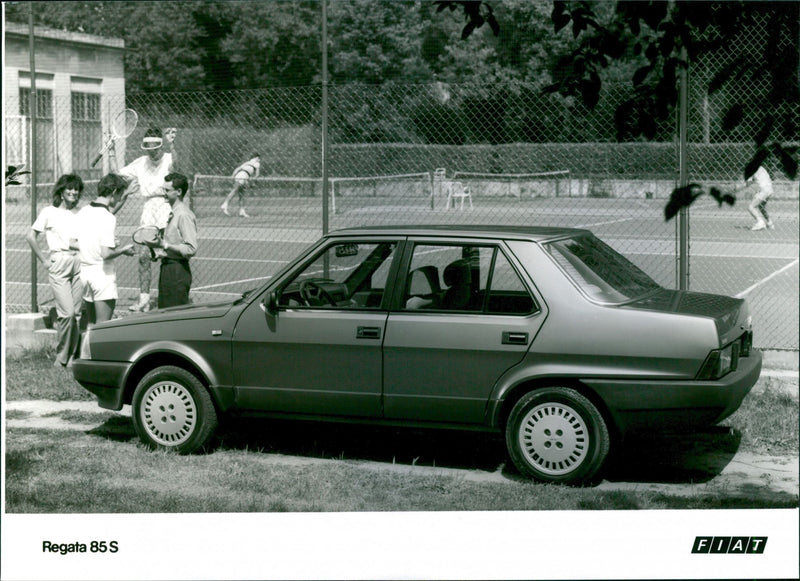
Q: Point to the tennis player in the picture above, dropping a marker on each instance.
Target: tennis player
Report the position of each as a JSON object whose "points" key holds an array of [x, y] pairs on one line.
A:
{"points": [[178, 245], [145, 175], [758, 206], [241, 178], [98, 249], [59, 224]]}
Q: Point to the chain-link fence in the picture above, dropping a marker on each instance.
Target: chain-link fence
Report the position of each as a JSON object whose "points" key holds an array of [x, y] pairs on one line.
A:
{"points": [[422, 154]]}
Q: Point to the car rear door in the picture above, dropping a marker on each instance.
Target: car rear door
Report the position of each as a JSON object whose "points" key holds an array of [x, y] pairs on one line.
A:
{"points": [[440, 362]]}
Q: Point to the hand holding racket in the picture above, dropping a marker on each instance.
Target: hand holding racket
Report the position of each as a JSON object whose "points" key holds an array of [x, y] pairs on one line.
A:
{"points": [[150, 236], [121, 127], [169, 134]]}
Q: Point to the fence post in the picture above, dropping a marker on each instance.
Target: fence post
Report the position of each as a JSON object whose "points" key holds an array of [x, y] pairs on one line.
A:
{"points": [[324, 117], [683, 216], [34, 169]]}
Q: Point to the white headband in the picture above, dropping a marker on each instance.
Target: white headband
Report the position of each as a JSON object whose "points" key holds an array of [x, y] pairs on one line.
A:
{"points": [[151, 142]]}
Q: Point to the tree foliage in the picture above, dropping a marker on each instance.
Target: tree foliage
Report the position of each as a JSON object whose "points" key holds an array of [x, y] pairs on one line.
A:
{"points": [[531, 50], [666, 37]]}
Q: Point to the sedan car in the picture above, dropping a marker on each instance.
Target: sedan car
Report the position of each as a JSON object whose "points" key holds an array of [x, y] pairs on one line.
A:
{"points": [[546, 336]]}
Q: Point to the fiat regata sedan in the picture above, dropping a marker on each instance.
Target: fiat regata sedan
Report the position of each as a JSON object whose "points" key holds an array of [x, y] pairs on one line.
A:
{"points": [[547, 336]]}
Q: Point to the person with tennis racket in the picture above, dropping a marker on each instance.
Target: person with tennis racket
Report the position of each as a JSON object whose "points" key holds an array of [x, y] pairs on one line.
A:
{"points": [[758, 205], [59, 224], [241, 179], [177, 245], [145, 175], [98, 248]]}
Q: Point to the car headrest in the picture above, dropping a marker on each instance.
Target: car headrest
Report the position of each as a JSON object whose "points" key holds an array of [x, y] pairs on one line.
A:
{"points": [[457, 273]]}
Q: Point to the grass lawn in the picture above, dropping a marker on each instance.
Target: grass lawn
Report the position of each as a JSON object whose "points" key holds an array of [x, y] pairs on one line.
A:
{"points": [[282, 466]]}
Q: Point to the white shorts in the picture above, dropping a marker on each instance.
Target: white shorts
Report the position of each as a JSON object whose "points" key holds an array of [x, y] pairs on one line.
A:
{"points": [[761, 196], [241, 181], [99, 282], [156, 212]]}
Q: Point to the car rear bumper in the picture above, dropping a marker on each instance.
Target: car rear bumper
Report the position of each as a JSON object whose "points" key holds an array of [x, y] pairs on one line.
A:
{"points": [[677, 405], [105, 379]]}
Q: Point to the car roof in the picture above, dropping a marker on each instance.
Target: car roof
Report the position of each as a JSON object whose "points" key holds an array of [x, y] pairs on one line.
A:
{"points": [[535, 233]]}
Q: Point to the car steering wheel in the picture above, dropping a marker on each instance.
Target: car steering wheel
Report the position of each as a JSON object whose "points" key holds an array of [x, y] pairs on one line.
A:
{"points": [[311, 290]]}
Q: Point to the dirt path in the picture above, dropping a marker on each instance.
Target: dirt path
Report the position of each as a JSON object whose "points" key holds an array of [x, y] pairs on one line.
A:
{"points": [[698, 472]]}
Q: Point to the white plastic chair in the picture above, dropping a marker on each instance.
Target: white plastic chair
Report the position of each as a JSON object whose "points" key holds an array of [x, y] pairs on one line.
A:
{"points": [[456, 191]]}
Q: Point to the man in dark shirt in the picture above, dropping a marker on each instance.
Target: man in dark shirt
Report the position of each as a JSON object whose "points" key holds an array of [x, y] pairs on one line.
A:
{"points": [[178, 245]]}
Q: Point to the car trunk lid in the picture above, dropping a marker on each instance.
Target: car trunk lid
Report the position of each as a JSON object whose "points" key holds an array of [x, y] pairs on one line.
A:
{"points": [[731, 315]]}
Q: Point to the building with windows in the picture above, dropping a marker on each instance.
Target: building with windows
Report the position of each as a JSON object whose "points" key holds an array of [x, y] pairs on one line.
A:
{"points": [[80, 86]]}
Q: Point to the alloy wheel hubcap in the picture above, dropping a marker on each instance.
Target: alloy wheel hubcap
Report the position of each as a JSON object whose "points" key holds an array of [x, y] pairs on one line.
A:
{"points": [[554, 438], [168, 413]]}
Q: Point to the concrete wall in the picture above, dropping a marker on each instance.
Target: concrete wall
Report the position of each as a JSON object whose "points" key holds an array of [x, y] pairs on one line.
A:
{"points": [[628, 188]]}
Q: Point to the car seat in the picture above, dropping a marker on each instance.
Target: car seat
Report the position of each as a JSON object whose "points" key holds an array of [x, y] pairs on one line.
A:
{"points": [[458, 279]]}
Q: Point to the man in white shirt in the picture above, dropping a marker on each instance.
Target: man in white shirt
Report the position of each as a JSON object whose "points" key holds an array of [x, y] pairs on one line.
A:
{"points": [[98, 249], [145, 175], [758, 206]]}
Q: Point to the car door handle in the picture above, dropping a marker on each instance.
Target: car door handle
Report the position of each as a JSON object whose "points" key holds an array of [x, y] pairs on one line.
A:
{"points": [[368, 333], [510, 338]]}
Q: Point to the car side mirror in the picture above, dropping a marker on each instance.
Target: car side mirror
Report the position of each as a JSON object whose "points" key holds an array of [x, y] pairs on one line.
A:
{"points": [[270, 303]]}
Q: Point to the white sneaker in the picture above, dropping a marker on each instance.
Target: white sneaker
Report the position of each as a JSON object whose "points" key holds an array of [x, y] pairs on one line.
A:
{"points": [[142, 305], [243, 214], [759, 226], [771, 225], [224, 208]]}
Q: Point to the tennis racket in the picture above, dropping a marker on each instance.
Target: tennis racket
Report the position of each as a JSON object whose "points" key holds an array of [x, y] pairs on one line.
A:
{"points": [[149, 236], [121, 127]]}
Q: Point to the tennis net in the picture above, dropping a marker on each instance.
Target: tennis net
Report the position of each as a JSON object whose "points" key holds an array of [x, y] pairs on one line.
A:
{"points": [[549, 184], [381, 192], [205, 185]]}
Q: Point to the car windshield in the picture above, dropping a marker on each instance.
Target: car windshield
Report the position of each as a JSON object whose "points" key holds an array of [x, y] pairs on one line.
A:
{"points": [[599, 270]]}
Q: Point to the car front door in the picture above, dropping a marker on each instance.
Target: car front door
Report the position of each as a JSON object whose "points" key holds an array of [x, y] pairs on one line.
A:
{"points": [[317, 349], [466, 317]]}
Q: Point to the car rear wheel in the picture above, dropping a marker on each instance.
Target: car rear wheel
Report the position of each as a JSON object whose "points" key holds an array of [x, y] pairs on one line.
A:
{"points": [[555, 434], [172, 410]]}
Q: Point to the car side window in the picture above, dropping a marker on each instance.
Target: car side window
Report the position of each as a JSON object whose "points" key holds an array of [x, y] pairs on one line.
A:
{"points": [[464, 278], [345, 275], [507, 293]]}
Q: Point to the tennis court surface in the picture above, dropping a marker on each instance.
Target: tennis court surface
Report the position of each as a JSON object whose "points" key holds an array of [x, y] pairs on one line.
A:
{"points": [[237, 254]]}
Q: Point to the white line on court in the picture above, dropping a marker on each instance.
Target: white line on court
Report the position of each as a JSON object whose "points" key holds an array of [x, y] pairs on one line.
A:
{"points": [[631, 218], [606, 223], [231, 282], [207, 258], [211, 258], [763, 280]]}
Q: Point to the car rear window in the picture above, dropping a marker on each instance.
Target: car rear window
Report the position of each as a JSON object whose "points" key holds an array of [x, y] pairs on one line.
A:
{"points": [[601, 272]]}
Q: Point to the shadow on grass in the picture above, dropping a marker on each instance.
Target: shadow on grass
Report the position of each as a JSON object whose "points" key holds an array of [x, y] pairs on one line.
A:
{"points": [[422, 447], [681, 458], [117, 429], [668, 459], [654, 458]]}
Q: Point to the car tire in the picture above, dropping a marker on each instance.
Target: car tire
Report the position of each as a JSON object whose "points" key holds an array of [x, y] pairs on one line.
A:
{"points": [[172, 410], [555, 434]]}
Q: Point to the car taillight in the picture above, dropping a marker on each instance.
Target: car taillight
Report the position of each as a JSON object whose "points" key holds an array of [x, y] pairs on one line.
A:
{"points": [[720, 361], [747, 344]]}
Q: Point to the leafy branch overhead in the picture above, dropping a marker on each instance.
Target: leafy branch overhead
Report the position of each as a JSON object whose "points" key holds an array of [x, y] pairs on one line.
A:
{"points": [[667, 36], [663, 38]]}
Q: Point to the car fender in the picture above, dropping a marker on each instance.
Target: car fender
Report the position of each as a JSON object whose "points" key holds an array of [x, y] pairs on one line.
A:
{"points": [[162, 349], [551, 372]]}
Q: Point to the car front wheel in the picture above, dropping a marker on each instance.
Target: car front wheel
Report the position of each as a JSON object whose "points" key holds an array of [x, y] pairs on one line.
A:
{"points": [[172, 410], [555, 434]]}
